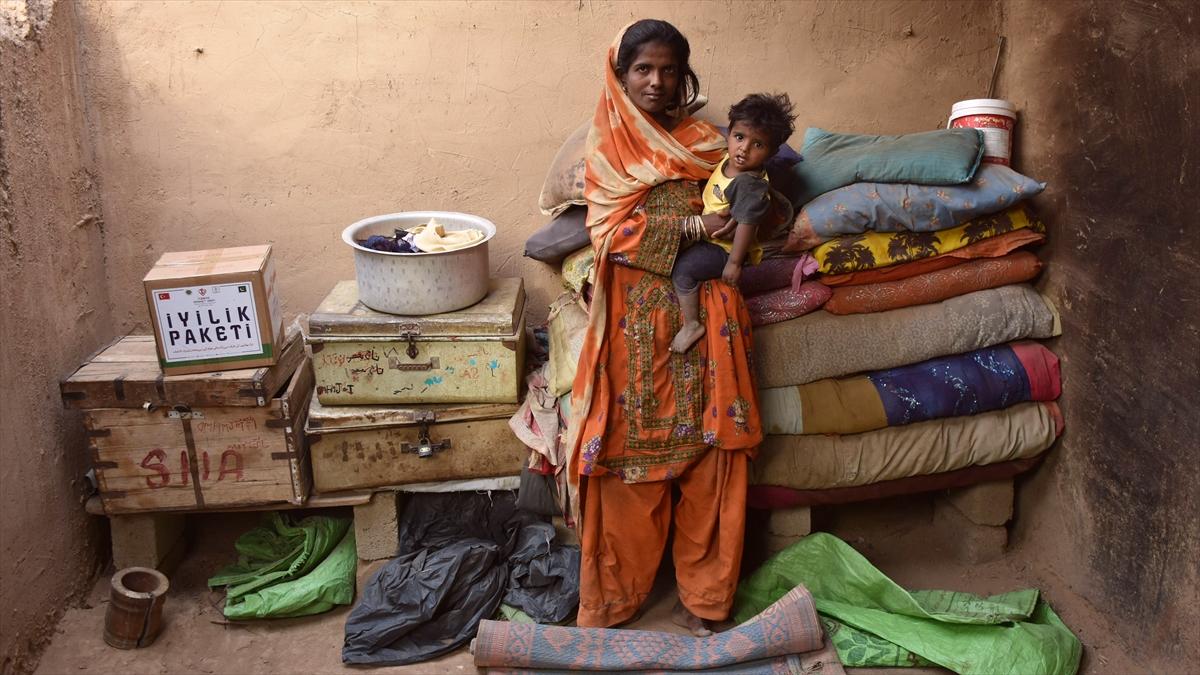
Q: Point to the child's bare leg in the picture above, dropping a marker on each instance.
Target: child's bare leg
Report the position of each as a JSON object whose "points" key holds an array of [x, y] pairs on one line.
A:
{"points": [[691, 330]]}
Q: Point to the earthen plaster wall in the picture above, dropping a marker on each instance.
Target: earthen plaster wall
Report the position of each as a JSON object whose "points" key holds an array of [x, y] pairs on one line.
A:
{"points": [[1108, 93], [54, 311], [218, 124], [221, 124]]}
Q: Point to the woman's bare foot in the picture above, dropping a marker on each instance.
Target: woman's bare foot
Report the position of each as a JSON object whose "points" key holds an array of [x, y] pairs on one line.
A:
{"points": [[687, 336], [680, 616]]}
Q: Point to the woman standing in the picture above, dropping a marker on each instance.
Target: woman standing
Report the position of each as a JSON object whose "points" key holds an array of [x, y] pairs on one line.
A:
{"points": [[644, 418]]}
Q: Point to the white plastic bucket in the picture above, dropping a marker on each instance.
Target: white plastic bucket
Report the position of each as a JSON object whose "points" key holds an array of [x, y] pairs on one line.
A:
{"points": [[996, 118]]}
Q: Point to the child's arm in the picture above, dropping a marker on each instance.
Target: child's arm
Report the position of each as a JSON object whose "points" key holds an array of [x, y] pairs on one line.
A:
{"points": [[742, 238]]}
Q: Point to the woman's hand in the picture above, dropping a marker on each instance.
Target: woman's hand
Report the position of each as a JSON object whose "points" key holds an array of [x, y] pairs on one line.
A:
{"points": [[719, 225], [732, 273]]}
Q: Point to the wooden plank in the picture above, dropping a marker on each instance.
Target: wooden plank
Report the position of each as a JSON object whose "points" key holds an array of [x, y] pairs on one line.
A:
{"points": [[325, 419], [127, 375], [367, 458], [294, 404], [95, 505], [341, 314]]}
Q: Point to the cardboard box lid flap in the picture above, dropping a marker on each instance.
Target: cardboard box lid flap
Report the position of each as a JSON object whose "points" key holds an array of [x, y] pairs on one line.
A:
{"points": [[182, 264], [341, 314], [331, 418], [127, 375]]}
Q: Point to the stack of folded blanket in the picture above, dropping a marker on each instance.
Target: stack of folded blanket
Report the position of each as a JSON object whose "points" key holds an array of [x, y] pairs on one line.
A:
{"points": [[919, 372]]}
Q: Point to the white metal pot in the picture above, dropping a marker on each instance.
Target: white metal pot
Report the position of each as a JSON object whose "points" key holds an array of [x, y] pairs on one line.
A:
{"points": [[420, 283]]}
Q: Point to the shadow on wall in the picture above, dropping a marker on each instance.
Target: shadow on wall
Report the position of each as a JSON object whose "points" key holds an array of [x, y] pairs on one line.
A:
{"points": [[1112, 91]]}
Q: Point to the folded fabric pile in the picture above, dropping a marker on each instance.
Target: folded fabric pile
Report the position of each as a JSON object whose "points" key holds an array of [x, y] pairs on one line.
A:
{"points": [[918, 373], [287, 569], [873, 622]]}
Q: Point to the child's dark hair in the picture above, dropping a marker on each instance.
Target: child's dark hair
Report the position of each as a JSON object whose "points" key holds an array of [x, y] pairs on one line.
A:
{"points": [[770, 113]]}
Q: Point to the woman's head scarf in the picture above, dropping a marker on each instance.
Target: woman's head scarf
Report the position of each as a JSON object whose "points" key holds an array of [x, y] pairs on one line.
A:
{"points": [[628, 153]]}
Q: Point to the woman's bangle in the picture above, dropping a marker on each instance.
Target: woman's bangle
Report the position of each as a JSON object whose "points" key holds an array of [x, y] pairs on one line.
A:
{"points": [[693, 228]]}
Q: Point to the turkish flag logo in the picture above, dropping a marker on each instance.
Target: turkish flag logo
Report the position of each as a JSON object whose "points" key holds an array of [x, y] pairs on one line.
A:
{"points": [[164, 296]]}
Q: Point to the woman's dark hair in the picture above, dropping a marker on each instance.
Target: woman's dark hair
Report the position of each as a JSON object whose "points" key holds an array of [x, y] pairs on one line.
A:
{"points": [[654, 30], [769, 113]]}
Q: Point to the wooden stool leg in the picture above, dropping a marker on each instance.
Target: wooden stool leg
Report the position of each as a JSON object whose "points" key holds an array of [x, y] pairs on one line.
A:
{"points": [[377, 526], [152, 540]]}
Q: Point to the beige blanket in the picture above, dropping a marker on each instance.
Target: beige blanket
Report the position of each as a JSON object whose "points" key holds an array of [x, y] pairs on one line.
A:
{"points": [[821, 345], [936, 446]]}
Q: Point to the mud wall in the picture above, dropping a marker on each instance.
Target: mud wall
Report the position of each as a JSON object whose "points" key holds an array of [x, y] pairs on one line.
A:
{"points": [[1109, 94], [221, 124], [54, 311]]}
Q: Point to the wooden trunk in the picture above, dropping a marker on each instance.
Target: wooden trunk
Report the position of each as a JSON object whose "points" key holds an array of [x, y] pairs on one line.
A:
{"points": [[374, 446], [193, 442], [361, 356]]}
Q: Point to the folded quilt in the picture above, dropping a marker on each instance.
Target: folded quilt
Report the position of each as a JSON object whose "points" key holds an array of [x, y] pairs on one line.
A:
{"points": [[896, 207], [775, 497], [992, 247], [881, 249], [819, 462], [986, 379], [783, 304], [822, 345], [972, 275]]}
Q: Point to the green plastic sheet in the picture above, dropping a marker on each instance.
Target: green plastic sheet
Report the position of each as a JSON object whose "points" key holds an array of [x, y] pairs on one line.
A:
{"points": [[285, 569], [874, 622]]}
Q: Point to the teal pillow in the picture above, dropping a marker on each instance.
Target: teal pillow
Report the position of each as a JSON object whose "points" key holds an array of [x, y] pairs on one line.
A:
{"points": [[831, 161]]}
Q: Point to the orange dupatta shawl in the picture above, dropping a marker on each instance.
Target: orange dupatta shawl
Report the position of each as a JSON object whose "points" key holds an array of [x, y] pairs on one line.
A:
{"points": [[637, 410]]}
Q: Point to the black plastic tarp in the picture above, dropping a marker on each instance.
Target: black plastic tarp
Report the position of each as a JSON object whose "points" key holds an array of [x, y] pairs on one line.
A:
{"points": [[461, 555]]}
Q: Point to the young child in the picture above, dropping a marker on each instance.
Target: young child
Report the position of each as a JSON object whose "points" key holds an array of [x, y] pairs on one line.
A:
{"points": [[758, 125]]}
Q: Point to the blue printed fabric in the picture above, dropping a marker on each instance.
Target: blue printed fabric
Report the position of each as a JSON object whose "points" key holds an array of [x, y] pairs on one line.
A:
{"points": [[964, 384]]}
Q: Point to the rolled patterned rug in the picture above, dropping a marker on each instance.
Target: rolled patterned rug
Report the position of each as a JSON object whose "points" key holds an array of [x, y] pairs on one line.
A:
{"points": [[774, 640]]}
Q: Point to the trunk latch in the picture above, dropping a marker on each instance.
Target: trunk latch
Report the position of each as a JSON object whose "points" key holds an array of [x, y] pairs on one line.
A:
{"points": [[425, 447]]}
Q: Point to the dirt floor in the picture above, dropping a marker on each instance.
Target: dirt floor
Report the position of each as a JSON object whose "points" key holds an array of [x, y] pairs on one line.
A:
{"points": [[897, 535]]}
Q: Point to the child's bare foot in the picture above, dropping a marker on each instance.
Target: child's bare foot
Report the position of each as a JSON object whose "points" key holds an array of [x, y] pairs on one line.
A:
{"points": [[687, 336], [680, 616]]}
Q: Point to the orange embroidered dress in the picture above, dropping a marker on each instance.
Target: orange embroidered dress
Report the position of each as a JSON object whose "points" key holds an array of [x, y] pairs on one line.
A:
{"points": [[639, 411]]}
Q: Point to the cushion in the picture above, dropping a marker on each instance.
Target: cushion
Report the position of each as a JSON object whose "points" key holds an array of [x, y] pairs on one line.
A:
{"points": [[893, 207], [972, 275], [560, 237], [830, 461], [768, 275], [577, 268], [992, 247], [822, 345], [950, 386], [568, 326], [881, 249], [564, 181], [784, 303], [774, 497], [831, 161]]}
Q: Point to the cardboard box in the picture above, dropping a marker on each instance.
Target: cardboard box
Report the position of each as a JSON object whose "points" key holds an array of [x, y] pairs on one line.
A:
{"points": [[215, 310]]}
